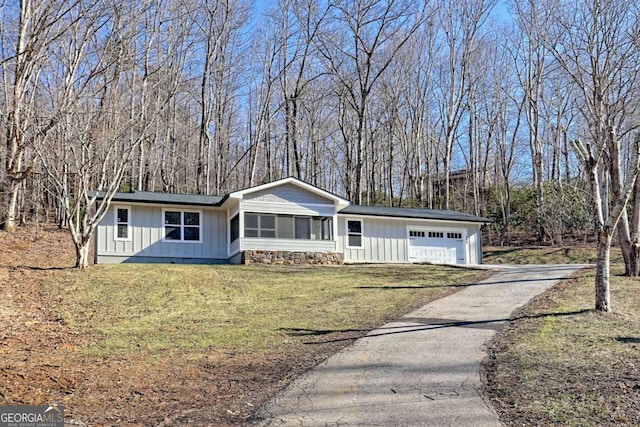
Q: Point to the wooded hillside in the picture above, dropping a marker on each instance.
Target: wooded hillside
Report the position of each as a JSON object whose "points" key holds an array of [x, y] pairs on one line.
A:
{"points": [[460, 104]]}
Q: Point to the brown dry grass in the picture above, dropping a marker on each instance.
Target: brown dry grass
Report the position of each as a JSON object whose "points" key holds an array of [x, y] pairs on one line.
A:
{"points": [[561, 363], [109, 345]]}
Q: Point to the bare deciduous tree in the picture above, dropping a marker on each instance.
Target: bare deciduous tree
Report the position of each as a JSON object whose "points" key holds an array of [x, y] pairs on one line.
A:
{"points": [[31, 29], [594, 44], [364, 41], [461, 22], [531, 65]]}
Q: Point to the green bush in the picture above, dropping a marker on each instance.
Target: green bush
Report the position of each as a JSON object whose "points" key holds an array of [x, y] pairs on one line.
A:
{"points": [[565, 211]]}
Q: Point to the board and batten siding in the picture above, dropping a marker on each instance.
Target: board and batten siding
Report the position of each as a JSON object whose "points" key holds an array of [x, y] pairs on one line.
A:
{"points": [[474, 244], [383, 240], [146, 236], [290, 245], [386, 239]]}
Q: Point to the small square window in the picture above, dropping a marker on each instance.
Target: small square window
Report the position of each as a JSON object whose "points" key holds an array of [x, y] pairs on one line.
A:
{"points": [[172, 233], [268, 233], [191, 233], [355, 241], [354, 226], [191, 218], [172, 218], [268, 221]]}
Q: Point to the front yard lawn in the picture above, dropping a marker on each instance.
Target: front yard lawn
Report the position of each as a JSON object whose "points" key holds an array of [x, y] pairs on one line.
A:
{"points": [[155, 308], [165, 345]]}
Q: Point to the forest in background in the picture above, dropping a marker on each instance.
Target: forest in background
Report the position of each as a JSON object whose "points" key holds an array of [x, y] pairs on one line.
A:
{"points": [[525, 111]]}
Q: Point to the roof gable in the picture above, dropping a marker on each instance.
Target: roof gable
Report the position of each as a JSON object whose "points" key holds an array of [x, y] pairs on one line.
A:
{"points": [[290, 190], [288, 193]]}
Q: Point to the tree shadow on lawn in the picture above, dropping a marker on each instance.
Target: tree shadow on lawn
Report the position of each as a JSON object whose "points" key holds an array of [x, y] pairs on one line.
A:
{"points": [[418, 324], [36, 268], [628, 340]]}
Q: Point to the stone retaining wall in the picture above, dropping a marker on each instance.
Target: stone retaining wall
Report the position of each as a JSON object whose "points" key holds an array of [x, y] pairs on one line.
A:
{"points": [[291, 258]]}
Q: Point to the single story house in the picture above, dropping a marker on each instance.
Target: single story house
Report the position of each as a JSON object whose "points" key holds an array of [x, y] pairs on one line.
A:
{"points": [[285, 221]]}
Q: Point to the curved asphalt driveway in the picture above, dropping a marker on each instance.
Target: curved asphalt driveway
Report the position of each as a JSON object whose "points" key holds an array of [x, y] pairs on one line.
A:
{"points": [[423, 369]]}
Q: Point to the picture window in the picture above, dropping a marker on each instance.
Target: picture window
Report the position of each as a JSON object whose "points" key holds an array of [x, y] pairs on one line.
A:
{"points": [[182, 226], [279, 226]]}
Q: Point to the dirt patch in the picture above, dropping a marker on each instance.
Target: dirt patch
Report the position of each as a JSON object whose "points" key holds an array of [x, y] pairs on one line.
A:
{"points": [[42, 361]]}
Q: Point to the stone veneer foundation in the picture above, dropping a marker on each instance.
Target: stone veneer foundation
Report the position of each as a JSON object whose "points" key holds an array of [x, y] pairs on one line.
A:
{"points": [[291, 258]]}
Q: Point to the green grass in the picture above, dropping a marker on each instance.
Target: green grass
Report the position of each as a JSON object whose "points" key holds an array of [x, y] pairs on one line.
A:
{"points": [[153, 308], [562, 363]]}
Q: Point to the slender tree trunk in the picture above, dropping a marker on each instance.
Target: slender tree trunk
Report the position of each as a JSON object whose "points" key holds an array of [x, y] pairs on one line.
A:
{"points": [[83, 248], [634, 253], [12, 206], [603, 284], [617, 184]]}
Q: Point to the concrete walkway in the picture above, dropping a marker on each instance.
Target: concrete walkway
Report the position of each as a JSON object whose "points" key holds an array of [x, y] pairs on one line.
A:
{"points": [[422, 370]]}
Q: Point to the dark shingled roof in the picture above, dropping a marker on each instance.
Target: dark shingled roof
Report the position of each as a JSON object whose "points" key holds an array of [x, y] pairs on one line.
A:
{"points": [[202, 200], [443, 215], [166, 198]]}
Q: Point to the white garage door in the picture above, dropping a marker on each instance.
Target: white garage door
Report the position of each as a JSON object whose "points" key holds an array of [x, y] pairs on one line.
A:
{"points": [[442, 247]]}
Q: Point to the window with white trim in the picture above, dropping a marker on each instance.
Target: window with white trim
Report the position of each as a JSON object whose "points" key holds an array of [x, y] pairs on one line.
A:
{"points": [[436, 234], [280, 226], [259, 225], [182, 226], [354, 233], [456, 236], [122, 222], [416, 233]]}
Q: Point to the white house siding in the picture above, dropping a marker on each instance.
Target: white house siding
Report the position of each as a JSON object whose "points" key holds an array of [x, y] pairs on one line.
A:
{"points": [[291, 245], [146, 234], [287, 208], [386, 239], [475, 244], [287, 199], [234, 247], [287, 193]]}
